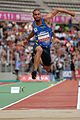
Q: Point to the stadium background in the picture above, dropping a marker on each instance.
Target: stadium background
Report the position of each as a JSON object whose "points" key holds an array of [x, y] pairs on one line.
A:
{"points": [[15, 25]]}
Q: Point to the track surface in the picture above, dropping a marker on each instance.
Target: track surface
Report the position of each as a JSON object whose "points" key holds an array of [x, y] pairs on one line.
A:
{"points": [[61, 96]]}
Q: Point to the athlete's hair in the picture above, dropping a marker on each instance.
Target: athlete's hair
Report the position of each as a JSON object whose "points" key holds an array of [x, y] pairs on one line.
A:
{"points": [[36, 10]]}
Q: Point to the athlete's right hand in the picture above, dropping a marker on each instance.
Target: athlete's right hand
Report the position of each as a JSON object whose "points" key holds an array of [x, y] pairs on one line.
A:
{"points": [[25, 42]]}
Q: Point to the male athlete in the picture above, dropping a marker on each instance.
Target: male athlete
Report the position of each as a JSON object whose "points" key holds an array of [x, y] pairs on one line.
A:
{"points": [[43, 35]]}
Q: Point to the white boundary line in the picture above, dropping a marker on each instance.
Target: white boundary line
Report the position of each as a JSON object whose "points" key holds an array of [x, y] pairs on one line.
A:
{"points": [[30, 95], [78, 103], [9, 84]]}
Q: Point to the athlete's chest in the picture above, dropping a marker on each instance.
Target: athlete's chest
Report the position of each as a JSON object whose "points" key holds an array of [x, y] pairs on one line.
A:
{"points": [[40, 28]]}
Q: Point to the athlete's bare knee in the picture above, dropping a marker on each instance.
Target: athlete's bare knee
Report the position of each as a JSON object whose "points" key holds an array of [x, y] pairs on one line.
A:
{"points": [[39, 50], [47, 68]]}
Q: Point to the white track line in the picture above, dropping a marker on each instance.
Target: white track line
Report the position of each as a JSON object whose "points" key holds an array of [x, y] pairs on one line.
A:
{"points": [[10, 83], [30, 96], [7, 84], [78, 103]]}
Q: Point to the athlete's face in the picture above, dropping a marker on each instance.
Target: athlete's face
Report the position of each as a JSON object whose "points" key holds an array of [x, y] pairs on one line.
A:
{"points": [[37, 15]]}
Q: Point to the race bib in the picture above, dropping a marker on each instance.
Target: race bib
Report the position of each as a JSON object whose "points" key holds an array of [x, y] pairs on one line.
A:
{"points": [[44, 37]]}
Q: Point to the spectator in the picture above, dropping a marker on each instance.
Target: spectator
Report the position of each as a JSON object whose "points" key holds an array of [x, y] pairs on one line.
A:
{"points": [[12, 33], [17, 69], [72, 65]]}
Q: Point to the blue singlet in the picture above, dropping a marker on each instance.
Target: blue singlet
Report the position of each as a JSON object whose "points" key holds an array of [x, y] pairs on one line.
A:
{"points": [[43, 34]]}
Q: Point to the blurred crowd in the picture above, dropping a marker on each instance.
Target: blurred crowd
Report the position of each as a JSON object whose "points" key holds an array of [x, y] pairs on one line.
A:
{"points": [[13, 34]]}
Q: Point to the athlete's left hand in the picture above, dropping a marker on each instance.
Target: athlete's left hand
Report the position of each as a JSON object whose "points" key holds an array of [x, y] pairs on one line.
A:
{"points": [[72, 14]]}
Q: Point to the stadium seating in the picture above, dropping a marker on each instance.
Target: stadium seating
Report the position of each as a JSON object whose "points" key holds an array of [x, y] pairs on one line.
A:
{"points": [[45, 6], [20, 6], [72, 5]]}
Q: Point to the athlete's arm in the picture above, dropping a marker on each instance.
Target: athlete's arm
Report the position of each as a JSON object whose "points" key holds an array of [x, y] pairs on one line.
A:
{"points": [[56, 40], [29, 36], [54, 12]]}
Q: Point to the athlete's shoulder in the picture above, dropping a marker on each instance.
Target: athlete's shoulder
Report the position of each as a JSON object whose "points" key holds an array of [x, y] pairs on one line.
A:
{"points": [[32, 24], [46, 20]]}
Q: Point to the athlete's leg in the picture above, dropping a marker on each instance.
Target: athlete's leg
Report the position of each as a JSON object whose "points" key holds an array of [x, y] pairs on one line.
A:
{"points": [[47, 68], [37, 57], [36, 60], [39, 72]]}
